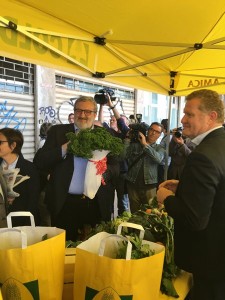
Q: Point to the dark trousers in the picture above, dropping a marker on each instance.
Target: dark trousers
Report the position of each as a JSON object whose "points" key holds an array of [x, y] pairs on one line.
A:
{"points": [[77, 212], [121, 191], [106, 195], [140, 195], [161, 171], [207, 290]]}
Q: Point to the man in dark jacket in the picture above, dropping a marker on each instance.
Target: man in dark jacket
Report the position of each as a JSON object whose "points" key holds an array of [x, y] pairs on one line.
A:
{"points": [[69, 208], [198, 205], [3, 198]]}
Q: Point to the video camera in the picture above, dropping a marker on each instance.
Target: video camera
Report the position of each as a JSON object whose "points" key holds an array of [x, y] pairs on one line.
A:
{"points": [[101, 96], [137, 127], [178, 132]]}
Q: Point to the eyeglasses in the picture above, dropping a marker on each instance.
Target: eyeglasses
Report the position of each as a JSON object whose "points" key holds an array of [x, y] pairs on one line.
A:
{"points": [[1, 142], [154, 131], [85, 111]]}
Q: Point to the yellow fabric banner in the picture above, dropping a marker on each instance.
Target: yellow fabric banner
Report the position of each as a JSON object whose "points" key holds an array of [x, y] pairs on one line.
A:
{"points": [[164, 52]]}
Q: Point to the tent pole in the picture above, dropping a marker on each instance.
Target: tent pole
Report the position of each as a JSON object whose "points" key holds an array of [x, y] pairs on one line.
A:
{"points": [[168, 137], [171, 93]]}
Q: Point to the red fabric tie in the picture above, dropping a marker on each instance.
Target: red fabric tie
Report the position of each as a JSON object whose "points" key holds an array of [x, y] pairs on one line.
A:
{"points": [[101, 167]]}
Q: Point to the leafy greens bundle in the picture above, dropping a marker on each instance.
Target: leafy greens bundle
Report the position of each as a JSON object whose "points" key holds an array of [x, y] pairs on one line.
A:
{"points": [[88, 140], [159, 227]]}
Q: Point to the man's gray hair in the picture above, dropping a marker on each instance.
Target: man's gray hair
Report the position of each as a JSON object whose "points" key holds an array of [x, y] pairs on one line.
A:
{"points": [[86, 99]]}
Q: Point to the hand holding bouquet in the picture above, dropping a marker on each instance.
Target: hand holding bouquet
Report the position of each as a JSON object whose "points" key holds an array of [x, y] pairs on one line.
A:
{"points": [[94, 144], [12, 179]]}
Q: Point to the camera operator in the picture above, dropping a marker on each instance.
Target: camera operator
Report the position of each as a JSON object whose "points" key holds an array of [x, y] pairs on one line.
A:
{"points": [[119, 128], [105, 98], [143, 156], [179, 149], [163, 166]]}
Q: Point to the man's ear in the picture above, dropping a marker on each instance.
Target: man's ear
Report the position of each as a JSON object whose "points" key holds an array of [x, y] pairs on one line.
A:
{"points": [[213, 115]]}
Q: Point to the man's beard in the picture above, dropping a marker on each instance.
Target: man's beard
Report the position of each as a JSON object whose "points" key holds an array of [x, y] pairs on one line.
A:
{"points": [[83, 125]]}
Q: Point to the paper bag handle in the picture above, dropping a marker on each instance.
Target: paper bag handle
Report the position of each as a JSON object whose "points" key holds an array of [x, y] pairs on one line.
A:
{"points": [[22, 233], [20, 214], [131, 225], [115, 236]]}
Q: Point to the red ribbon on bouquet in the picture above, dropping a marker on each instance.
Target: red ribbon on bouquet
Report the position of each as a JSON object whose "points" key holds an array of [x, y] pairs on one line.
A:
{"points": [[101, 167]]}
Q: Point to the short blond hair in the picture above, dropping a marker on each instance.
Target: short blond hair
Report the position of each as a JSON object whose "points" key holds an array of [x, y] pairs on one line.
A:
{"points": [[210, 101]]}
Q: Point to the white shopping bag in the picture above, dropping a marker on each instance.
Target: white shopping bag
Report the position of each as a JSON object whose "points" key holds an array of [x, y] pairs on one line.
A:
{"points": [[96, 166]]}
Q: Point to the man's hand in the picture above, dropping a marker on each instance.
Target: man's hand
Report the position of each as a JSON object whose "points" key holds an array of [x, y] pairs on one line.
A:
{"points": [[10, 200], [109, 102], [166, 188], [179, 141], [142, 138], [64, 147], [162, 194], [170, 185]]}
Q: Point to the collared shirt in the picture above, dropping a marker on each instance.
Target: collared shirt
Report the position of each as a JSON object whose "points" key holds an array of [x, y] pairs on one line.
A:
{"points": [[77, 181], [197, 140], [5, 166]]}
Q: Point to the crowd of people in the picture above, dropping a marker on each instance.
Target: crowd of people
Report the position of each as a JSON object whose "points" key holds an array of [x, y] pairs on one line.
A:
{"points": [[185, 170]]}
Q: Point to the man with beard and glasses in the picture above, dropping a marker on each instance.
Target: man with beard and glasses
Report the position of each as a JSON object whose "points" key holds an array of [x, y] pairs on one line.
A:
{"points": [[69, 208]]}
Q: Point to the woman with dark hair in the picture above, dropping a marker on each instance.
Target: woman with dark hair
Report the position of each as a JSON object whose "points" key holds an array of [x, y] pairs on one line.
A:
{"points": [[25, 194]]}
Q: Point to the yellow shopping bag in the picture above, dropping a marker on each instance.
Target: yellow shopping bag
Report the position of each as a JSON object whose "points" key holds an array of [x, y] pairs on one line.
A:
{"points": [[31, 261], [99, 275]]}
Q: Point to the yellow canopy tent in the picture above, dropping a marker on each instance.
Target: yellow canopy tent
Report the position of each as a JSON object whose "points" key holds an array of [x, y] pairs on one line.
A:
{"points": [[168, 46]]}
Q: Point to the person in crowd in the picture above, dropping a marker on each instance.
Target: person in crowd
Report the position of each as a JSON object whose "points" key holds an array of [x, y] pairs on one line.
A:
{"points": [[3, 201], [69, 208], [196, 201], [71, 118], [45, 219], [118, 126], [26, 193], [113, 123], [43, 132], [179, 149], [122, 123], [143, 156], [163, 166], [118, 122]]}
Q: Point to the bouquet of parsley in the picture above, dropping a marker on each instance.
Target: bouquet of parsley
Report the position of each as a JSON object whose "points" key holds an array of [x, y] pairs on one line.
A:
{"points": [[88, 140]]}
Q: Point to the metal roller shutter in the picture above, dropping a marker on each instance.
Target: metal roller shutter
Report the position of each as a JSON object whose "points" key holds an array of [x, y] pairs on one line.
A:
{"points": [[17, 111], [69, 87]]}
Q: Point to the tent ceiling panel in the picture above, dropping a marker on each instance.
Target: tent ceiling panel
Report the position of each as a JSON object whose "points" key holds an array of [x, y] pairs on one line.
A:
{"points": [[134, 43]]}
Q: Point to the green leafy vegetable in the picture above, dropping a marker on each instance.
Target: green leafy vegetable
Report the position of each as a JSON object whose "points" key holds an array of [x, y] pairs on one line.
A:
{"points": [[44, 237], [159, 227], [139, 250], [89, 140]]}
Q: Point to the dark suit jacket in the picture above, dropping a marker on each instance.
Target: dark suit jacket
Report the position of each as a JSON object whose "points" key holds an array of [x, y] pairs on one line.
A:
{"points": [[49, 159], [198, 209], [28, 190], [3, 198]]}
